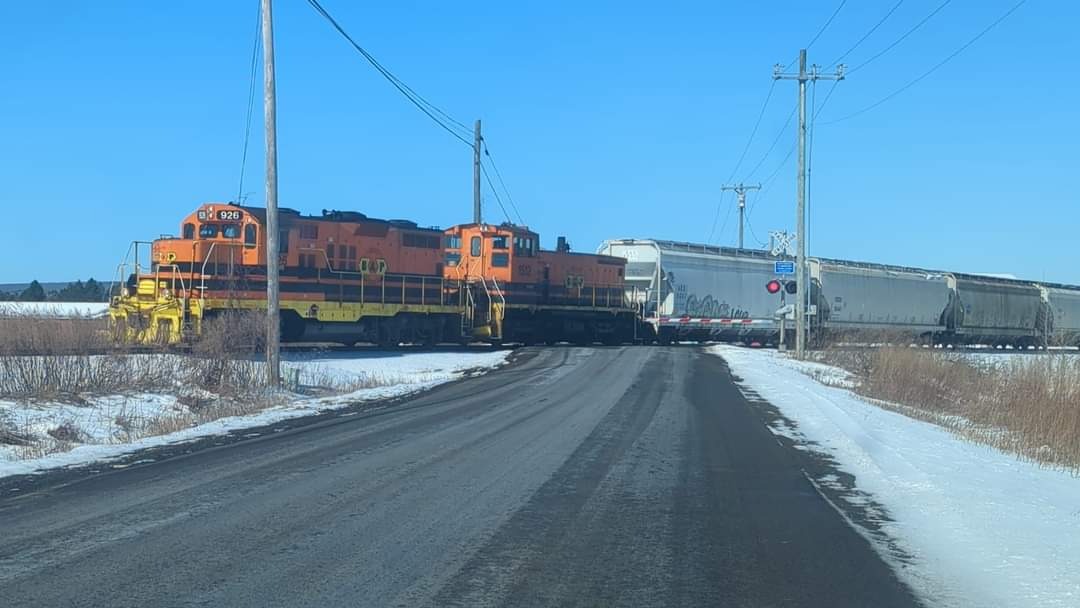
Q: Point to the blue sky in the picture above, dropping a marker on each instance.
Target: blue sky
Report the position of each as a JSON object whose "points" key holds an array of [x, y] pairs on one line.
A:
{"points": [[607, 119]]}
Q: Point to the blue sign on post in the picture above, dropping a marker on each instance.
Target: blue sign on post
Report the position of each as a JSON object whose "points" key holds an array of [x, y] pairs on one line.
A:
{"points": [[784, 267]]}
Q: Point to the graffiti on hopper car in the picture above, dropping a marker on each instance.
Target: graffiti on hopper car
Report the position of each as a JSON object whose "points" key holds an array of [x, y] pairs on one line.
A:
{"points": [[711, 308]]}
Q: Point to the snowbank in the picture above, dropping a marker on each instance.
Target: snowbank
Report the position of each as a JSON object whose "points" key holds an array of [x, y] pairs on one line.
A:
{"points": [[981, 527], [109, 426], [54, 309]]}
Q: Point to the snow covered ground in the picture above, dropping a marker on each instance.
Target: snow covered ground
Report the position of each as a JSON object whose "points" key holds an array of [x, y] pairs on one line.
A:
{"points": [[54, 309], [102, 427], [987, 359], [980, 527]]}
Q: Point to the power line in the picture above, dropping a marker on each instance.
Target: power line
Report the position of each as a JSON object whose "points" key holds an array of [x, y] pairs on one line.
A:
{"points": [[818, 110], [498, 175], [742, 157], [907, 86], [761, 114], [768, 182], [775, 140], [425, 106], [753, 131], [495, 192], [826, 25], [716, 216], [754, 234], [867, 34], [820, 31], [251, 99], [727, 216], [901, 38]]}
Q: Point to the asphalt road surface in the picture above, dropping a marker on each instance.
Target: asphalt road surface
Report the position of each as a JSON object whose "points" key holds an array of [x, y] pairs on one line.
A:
{"points": [[577, 477]]}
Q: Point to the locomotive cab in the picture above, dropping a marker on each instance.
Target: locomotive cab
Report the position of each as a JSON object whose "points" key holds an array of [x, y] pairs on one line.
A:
{"points": [[503, 253], [216, 233], [526, 294]]}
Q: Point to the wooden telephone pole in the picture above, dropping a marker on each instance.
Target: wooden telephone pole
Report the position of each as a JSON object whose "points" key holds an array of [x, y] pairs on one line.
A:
{"points": [[803, 76], [273, 315]]}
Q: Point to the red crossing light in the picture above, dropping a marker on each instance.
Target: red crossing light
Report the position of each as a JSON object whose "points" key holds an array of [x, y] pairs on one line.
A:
{"points": [[773, 286]]}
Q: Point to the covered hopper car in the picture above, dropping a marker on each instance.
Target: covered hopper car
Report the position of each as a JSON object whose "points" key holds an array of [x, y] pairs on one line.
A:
{"points": [[700, 292]]}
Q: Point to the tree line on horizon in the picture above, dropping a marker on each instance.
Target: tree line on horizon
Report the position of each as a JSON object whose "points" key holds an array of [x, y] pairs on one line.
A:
{"points": [[77, 291]]}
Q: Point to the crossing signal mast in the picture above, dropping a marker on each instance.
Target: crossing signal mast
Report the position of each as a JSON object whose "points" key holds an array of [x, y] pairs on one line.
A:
{"points": [[776, 286], [800, 213]]}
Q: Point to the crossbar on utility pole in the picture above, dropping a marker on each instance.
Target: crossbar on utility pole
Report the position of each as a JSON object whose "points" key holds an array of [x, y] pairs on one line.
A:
{"points": [[477, 141], [800, 206], [740, 190], [273, 316]]}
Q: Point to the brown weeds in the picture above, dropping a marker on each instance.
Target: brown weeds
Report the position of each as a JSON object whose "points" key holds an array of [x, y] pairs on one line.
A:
{"points": [[1027, 405]]}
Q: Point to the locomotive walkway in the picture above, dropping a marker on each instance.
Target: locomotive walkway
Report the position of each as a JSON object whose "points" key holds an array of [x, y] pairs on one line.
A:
{"points": [[589, 477]]}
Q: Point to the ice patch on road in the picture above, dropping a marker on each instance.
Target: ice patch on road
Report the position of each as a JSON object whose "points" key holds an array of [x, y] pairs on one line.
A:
{"points": [[104, 423], [981, 528]]}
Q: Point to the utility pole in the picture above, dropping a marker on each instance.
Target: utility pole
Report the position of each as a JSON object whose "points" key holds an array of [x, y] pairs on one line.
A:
{"points": [[740, 190], [477, 140], [273, 315], [800, 208]]}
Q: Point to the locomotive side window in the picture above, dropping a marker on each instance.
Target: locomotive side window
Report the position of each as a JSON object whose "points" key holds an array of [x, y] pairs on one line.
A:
{"points": [[453, 242], [523, 245], [249, 235], [410, 239], [500, 260], [309, 231], [474, 246], [230, 231], [208, 231], [452, 259], [189, 231], [498, 242]]}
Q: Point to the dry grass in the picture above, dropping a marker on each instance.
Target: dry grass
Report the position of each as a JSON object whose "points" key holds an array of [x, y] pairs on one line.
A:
{"points": [[48, 362], [1029, 406], [63, 359], [24, 334]]}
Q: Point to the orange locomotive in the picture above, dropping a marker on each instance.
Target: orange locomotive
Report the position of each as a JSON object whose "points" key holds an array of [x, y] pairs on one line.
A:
{"points": [[544, 296], [349, 278], [344, 278]]}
